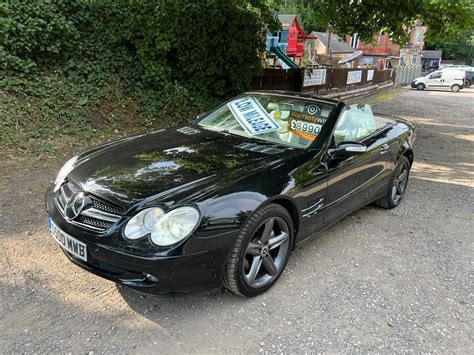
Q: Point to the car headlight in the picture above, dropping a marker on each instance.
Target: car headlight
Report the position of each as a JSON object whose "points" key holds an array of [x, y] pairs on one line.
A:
{"points": [[164, 228], [63, 172]]}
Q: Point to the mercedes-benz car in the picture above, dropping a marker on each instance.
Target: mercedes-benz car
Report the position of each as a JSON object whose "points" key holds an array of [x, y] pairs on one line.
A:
{"points": [[223, 200]]}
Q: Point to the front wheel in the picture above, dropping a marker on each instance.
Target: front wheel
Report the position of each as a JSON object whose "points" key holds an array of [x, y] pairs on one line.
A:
{"points": [[260, 252], [397, 187], [467, 83], [455, 88], [420, 86]]}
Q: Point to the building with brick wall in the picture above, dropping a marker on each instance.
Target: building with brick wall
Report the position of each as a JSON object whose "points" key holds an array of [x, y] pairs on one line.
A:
{"points": [[382, 53]]}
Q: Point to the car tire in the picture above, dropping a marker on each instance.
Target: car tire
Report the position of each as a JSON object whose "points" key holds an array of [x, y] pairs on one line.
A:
{"points": [[248, 270], [455, 88], [398, 185], [467, 83], [420, 86]]}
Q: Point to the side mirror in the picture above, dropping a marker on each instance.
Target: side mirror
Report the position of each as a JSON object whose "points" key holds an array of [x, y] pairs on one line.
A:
{"points": [[347, 149]]}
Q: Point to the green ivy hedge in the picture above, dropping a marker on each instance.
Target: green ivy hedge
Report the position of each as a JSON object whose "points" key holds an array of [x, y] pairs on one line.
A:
{"points": [[176, 57]]}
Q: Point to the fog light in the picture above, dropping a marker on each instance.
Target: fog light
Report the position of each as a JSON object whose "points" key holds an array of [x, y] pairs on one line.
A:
{"points": [[151, 278]]}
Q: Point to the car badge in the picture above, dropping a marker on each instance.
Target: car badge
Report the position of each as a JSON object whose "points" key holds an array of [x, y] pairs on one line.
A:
{"points": [[75, 205]]}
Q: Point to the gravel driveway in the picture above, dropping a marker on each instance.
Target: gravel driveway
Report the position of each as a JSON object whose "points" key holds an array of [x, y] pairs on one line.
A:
{"points": [[377, 281]]}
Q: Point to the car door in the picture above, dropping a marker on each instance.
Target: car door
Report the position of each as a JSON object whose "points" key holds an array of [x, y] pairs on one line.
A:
{"points": [[312, 180], [355, 180], [434, 80]]}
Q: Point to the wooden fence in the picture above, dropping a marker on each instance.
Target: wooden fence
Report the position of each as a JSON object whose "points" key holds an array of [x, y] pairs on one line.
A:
{"points": [[319, 79], [345, 78], [279, 79]]}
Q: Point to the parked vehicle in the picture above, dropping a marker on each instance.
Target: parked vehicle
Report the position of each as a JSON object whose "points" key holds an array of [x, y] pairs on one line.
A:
{"points": [[224, 200], [469, 79], [469, 71], [448, 78]]}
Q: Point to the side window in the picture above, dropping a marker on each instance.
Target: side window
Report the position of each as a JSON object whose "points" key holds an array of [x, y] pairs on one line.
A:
{"points": [[356, 123], [436, 75]]}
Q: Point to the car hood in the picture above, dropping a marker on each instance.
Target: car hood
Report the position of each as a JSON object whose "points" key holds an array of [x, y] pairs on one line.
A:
{"points": [[164, 162]]}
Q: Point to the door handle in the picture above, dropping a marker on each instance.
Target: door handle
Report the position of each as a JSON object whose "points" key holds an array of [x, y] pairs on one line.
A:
{"points": [[319, 169], [384, 148]]}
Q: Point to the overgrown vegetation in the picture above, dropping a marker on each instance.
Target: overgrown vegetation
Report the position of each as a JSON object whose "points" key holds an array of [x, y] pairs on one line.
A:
{"points": [[92, 68]]}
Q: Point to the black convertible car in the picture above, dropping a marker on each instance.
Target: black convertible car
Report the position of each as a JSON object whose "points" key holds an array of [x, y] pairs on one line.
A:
{"points": [[224, 200]]}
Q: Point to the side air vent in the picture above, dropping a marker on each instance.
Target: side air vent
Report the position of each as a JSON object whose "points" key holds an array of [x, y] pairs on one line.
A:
{"points": [[268, 149], [188, 130]]}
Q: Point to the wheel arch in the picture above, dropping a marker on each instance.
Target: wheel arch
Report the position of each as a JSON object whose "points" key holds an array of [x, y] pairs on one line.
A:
{"points": [[290, 205], [409, 154]]}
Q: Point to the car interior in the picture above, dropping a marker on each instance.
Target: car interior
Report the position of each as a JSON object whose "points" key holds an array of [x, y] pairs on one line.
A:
{"points": [[355, 123]]}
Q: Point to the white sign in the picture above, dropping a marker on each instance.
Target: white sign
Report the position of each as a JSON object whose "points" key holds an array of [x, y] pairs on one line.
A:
{"points": [[314, 77], [252, 116], [354, 76], [370, 74]]}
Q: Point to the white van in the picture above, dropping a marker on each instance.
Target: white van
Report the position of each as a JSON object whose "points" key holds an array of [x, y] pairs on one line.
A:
{"points": [[447, 78]]}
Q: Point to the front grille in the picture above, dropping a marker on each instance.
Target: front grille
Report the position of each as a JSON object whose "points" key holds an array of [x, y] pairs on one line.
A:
{"points": [[73, 188], [94, 222], [106, 207], [100, 216]]}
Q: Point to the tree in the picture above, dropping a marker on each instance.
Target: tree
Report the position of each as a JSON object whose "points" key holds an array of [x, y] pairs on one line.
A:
{"points": [[444, 18], [306, 11], [460, 49]]}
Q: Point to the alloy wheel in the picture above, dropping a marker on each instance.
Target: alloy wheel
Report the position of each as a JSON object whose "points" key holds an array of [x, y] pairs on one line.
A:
{"points": [[266, 252], [400, 184]]}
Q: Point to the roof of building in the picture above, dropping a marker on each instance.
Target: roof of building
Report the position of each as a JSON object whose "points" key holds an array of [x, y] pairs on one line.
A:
{"points": [[337, 46], [286, 21], [431, 54]]}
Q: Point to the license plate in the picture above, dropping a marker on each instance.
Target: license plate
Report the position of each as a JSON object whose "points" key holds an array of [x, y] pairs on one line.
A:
{"points": [[70, 244]]}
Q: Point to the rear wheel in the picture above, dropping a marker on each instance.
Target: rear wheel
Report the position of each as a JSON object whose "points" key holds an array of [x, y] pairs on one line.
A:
{"points": [[260, 252], [455, 88], [420, 86], [397, 187]]}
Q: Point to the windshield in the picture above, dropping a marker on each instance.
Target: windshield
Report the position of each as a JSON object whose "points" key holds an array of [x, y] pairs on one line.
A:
{"points": [[281, 120]]}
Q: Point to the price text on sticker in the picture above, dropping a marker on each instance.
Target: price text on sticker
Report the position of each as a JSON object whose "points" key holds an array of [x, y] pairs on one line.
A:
{"points": [[304, 129], [252, 116]]}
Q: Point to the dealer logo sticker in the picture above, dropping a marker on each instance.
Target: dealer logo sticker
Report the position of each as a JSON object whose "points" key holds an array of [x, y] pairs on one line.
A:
{"points": [[312, 109]]}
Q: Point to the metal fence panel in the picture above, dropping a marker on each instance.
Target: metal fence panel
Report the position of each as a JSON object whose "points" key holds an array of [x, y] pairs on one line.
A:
{"points": [[406, 74]]}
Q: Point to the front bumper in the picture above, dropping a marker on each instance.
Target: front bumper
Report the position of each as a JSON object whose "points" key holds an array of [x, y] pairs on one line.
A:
{"points": [[195, 267], [413, 84]]}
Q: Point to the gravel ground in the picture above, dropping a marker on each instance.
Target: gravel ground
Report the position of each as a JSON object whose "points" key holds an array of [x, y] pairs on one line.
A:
{"points": [[382, 281]]}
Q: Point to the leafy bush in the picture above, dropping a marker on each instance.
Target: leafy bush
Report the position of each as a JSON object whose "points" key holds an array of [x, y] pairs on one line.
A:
{"points": [[176, 58]]}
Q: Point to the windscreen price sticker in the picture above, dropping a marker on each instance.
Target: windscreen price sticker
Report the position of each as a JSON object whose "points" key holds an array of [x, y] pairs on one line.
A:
{"points": [[304, 129], [311, 117], [252, 116]]}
